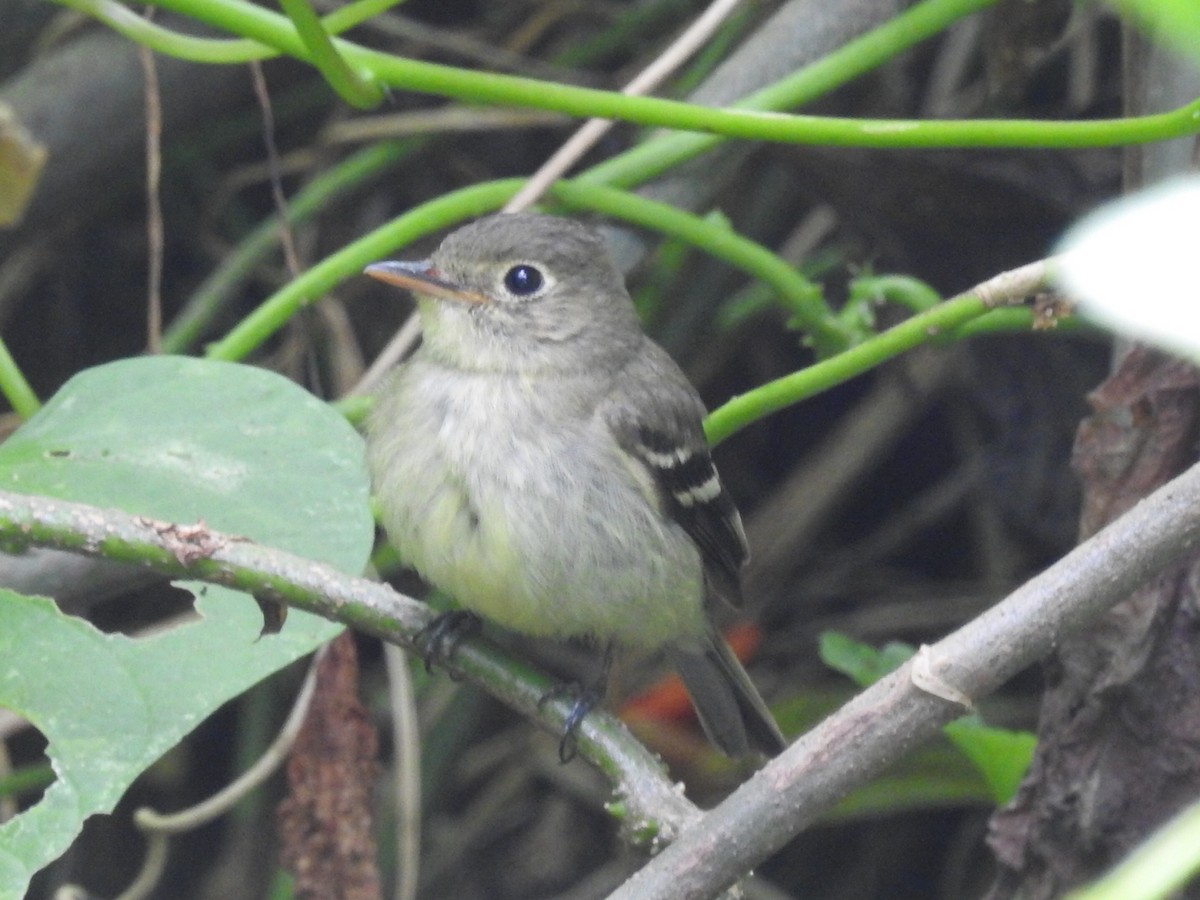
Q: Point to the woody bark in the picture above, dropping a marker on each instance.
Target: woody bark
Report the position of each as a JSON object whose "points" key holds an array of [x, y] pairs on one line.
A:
{"points": [[1119, 730]]}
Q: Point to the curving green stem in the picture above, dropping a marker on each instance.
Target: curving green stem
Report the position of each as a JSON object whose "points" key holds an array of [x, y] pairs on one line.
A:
{"points": [[14, 386], [804, 298], [827, 334], [488, 87], [904, 290], [206, 301], [957, 318], [143, 31], [747, 408], [275, 311], [863, 54], [359, 90]]}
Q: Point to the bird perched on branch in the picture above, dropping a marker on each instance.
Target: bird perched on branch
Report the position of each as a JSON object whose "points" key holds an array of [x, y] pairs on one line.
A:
{"points": [[542, 461]]}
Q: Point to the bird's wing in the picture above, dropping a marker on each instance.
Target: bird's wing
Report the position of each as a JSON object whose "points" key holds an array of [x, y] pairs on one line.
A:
{"points": [[657, 422]]}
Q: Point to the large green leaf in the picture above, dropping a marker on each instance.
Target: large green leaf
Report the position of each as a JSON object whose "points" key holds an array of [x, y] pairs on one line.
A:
{"points": [[177, 439]]}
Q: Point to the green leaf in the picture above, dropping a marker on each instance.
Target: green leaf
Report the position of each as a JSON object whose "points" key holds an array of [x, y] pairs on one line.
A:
{"points": [[999, 755], [861, 663], [181, 440]]}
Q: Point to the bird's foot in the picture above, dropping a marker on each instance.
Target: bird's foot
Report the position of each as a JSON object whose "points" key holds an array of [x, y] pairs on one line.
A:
{"points": [[584, 700], [438, 641]]}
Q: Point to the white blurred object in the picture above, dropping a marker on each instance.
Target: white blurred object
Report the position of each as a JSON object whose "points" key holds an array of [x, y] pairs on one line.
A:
{"points": [[1134, 265]]}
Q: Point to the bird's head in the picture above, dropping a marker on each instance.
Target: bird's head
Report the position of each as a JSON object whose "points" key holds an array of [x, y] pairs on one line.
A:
{"points": [[520, 293]]}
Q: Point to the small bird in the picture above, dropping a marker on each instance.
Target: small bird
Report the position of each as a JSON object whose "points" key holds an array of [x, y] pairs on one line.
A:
{"points": [[542, 461]]}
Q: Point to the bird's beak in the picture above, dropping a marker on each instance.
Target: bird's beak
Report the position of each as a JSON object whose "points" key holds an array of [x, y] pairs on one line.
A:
{"points": [[422, 278]]}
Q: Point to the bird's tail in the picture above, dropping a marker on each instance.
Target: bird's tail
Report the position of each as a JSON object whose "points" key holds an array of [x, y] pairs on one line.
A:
{"points": [[731, 711]]}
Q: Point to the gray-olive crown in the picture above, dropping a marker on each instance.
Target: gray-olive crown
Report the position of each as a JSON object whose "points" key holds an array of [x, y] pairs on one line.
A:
{"points": [[555, 299]]}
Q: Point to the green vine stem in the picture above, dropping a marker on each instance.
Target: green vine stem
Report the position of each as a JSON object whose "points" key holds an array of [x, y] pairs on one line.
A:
{"points": [[904, 290], [1008, 320], [745, 409], [359, 90], [144, 31], [205, 303], [826, 331], [274, 312], [14, 386], [919, 22], [802, 297], [27, 780], [492, 88]]}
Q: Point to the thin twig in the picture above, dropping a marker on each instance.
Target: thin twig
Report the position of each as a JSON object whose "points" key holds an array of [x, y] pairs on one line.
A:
{"points": [[649, 78], [455, 119], [264, 767], [406, 740], [154, 216], [397, 348], [291, 257], [153, 865], [1016, 285], [158, 828]]}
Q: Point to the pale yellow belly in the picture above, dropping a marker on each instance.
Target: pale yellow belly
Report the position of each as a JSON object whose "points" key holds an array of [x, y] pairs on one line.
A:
{"points": [[546, 535]]}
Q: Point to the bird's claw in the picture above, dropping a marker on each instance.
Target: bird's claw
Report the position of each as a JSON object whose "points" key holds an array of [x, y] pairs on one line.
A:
{"points": [[438, 641], [585, 699]]}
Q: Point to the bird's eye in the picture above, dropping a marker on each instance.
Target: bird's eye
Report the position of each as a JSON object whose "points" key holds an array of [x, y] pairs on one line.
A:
{"points": [[523, 280]]}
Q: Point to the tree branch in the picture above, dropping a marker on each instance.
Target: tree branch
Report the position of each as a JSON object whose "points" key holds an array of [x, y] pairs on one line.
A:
{"points": [[652, 808], [889, 719], [869, 733]]}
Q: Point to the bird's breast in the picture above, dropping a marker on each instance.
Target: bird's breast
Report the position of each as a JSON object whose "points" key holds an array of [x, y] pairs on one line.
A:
{"points": [[522, 509]]}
